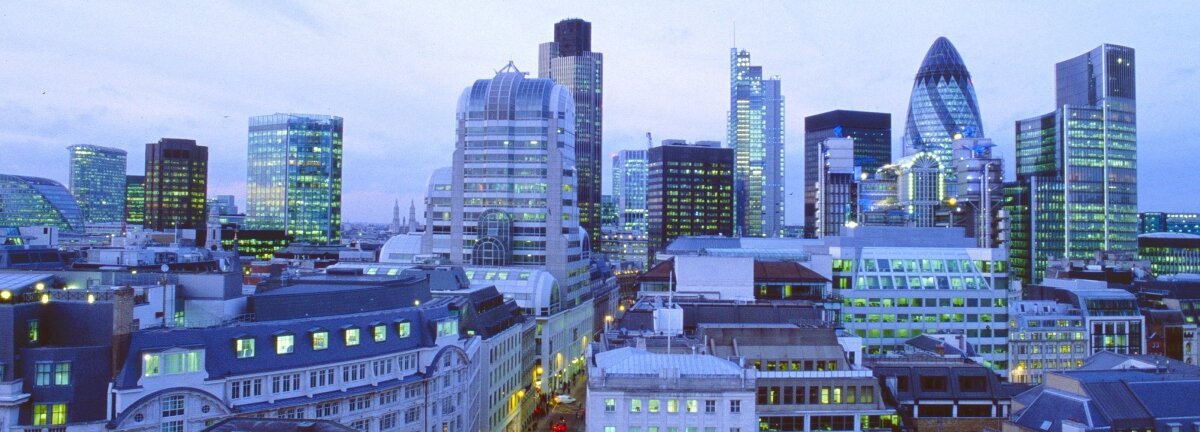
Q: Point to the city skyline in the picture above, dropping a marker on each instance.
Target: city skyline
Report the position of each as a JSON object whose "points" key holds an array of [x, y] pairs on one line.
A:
{"points": [[399, 90]]}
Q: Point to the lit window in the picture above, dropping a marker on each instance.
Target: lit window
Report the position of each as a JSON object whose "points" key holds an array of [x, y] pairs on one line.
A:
{"points": [[352, 336], [320, 340], [404, 329], [62, 373], [285, 344], [380, 332], [244, 347]]}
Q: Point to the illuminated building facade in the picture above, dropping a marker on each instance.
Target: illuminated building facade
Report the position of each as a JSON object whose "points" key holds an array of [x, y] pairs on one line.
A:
{"points": [[690, 192], [756, 136], [1077, 166], [942, 107], [629, 188], [176, 185], [97, 180], [294, 176], [135, 200], [872, 135], [34, 201]]}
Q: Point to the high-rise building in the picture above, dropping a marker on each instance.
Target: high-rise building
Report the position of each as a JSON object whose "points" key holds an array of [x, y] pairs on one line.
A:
{"points": [[920, 188], [294, 176], [224, 204], [942, 107], [34, 201], [176, 185], [872, 134], [135, 200], [629, 188], [1154, 222], [755, 134], [1076, 189], [689, 192], [569, 60], [511, 197], [836, 186], [978, 196], [98, 182]]}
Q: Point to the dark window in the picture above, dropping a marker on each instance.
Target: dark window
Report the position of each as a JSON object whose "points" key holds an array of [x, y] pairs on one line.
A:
{"points": [[934, 410], [933, 383], [902, 383], [972, 383], [975, 410]]}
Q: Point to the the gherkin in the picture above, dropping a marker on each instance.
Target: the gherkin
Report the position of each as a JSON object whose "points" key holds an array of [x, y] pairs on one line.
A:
{"points": [[942, 106]]}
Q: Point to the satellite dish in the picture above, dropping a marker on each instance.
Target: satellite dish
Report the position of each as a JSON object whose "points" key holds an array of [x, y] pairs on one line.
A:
{"points": [[165, 268]]}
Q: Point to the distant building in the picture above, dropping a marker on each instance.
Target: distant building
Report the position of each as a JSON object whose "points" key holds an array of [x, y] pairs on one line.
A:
{"points": [[570, 61], [135, 200], [872, 135], [942, 392], [942, 107], [1154, 222], [1076, 189], [629, 188], [176, 185], [690, 192], [97, 180], [1045, 336], [836, 191], [978, 197], [625, 246], [631, 388], [1170, 253], [1112, 320], [733, 278], [608, 211], [294, 176], [920, 190], [756, 135], [34, 201]]}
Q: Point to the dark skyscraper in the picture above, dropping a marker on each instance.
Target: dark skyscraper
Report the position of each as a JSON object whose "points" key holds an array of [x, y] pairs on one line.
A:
{"points": [[872, 134], [570, 62], [689, 192], [176, 185], [942, 107], [1076, 189]]}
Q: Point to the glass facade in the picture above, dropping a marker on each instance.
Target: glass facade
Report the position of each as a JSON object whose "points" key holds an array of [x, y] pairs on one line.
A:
{"points": [[1077, 166], [872, 134], [942, 106], [1170, 253], [135, 200], [920, 188], [294, 176], [629, 188], [33, 201], [570, 61], [176, 185], [690, 192], [756, 110], [97, 180], [1154, 222]]}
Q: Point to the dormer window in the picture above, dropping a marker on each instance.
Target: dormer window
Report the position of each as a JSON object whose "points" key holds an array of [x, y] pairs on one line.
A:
{"points": [[320, 340], [352, 336], [379, 332], [285, 343], [244, 347], [404, 328]]}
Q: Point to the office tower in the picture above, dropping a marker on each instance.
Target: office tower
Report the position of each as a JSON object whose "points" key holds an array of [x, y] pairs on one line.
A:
{"points": [[689, 192], [1076, 189], [1170, 253], [835, 186], [569, 60], [509, 199], [756, 136], [176, 185], [98, 182], [979, 194], [608, 211], [872, 134], [135, 200], [942, 107], [294, 176], [920, 188], [629, 188], [34, 201]]}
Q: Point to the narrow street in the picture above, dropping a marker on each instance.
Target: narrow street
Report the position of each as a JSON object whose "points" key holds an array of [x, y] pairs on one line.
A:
{"points": [[571, 413]]}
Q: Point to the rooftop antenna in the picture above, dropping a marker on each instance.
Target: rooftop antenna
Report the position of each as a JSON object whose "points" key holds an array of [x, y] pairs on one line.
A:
{"points": [[649, 141]]}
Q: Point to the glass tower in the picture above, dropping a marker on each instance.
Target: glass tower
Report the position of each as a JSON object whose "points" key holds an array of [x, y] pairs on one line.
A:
{"points": [[176, 185], [872, 134], [294, 176], [135, 200], [755, 133], [689, 192], [569, 60], [33, 201], [1077, 166], [97, 180], [511, 194], [942, 107], [629, 188]]}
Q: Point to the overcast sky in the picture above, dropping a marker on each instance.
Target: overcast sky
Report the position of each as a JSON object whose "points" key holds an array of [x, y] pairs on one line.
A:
{"points": [[123, 74]]}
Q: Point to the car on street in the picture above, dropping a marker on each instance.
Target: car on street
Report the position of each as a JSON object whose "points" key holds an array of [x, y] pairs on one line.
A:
{"points": [[566, 399]]}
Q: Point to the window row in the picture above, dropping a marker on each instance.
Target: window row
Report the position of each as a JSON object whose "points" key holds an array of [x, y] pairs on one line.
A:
{"points": [[285, 343]]}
